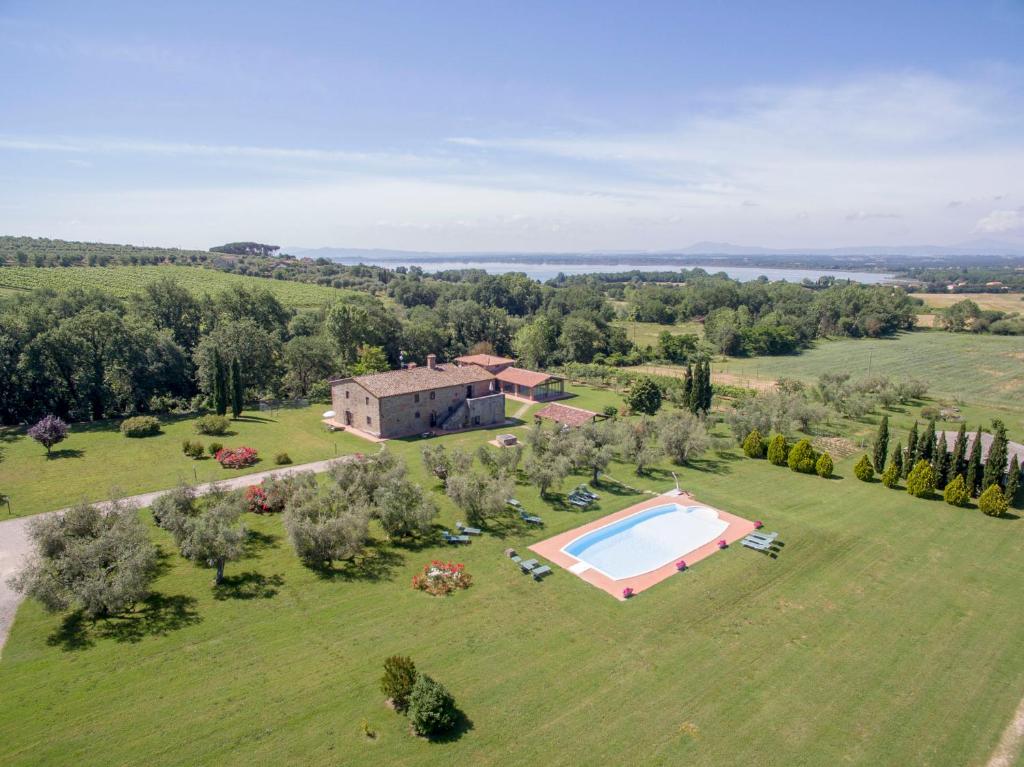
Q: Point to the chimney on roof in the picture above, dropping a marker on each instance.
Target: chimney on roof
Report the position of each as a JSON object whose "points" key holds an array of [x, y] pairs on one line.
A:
{"points": [[431, 361]]}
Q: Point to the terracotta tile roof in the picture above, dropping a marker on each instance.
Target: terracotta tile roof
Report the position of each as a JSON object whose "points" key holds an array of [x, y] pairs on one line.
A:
{"points": [[1012, 448], [522, 377], [486, 360], [565, 414], [421, 378]]}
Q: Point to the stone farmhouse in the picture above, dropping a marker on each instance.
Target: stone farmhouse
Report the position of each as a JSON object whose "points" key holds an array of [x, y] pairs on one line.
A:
{"points": [[517, 382], [418, 399]]}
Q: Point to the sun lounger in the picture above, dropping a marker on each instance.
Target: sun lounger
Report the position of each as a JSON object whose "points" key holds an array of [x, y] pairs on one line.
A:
{"points": [[514, 504], [579, 502], [540, 572], [755, 544], [449, 538], [530, 519], [468, 530], [528, 564], [586, 491], [516, 558], [767, 537]]}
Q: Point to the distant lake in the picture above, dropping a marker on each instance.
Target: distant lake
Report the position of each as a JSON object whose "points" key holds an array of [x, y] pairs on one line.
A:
{"points": [[546, 271]]}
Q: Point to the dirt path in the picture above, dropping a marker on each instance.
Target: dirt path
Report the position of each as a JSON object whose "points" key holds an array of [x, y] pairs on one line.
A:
{"points": [[14, 542], [522, 409], [1010, 744]]}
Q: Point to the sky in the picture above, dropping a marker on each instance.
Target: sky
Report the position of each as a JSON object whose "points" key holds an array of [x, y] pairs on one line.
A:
{"points": [[516, 126]]}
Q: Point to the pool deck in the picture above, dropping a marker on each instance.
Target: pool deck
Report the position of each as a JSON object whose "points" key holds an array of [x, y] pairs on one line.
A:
{"points": [[551, 548]]}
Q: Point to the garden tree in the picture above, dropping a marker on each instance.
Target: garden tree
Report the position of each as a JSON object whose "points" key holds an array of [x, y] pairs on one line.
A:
{"points": [[995, 461], [220, 385], [403, 509], [921, 480], [891, 476], [778, 450], [237, 389], [309, 360], [897, 459], [683, 435], [881, 444], [911, 456], [644, 396], [974, 468], [940, 461], [535, 343], [779, 411], [591, 447], [370, 359], [431, 707], [398, 680], [214, 535], [579, 340], [707, 390], [754, 445], [48, 431], [166, 305], [823, 467], [956, 318], [98, 562], [503, 462], [246, 340], [362, 478], [479, 496], [863, 469], [926, 444], [437, 461], [1013, 479], [546, 471], [801, 457], [324, 525], [423, 333], [173, 509], [992, 501], [640, 445], [677, 348], [257, 305], [955, 493], [687, 393], [958, 460]]}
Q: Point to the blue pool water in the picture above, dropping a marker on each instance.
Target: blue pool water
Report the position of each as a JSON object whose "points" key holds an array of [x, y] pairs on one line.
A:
{"points": [[647, 540]]}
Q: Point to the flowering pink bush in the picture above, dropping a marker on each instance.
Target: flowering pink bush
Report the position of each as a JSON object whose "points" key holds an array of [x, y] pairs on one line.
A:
{"points": [[681, 565], [441, 578], [256, 500], [627, 592], [722, 544], [236, 457]]}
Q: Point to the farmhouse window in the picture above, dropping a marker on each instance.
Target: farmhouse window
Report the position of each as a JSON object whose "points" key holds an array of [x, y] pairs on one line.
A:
{"points": [[415, 397], [432, 395], [369, 421]]}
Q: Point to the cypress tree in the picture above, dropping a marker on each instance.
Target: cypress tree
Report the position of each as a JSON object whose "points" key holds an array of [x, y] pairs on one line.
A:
{"points": [[995, 462], [708, 392], [911, 450], [881, 444], [940, 461], [1013, 479], [897, 459], [926, 445], [220, 385], [237, 389], [958, 463], [688, 386], [974, 465]]}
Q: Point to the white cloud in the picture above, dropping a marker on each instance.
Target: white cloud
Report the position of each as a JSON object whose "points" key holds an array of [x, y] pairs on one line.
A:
{"points": [[1002, 222]]}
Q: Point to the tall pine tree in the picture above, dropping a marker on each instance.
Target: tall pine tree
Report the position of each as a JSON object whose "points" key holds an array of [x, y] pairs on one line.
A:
{"points": [[995, 461], [708, 392], [940, 461], [911, 456], [958, 463], [897, 458], [220, 385], [237, 389], [881, 444], [688, 386], [926, 445], [974, 464]]}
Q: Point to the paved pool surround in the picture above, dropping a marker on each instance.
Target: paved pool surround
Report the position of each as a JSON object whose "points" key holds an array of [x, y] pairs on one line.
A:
{"points": [[553, 549]]}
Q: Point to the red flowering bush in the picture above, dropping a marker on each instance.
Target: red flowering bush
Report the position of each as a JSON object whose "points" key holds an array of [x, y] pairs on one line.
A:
{"points": [[256, 500], [441, 578], [236, 457]]}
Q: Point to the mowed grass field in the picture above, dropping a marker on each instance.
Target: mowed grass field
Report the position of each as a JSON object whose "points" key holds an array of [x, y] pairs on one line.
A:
{"points": [[1001, 302], [645, 334], [123, 281], [885, 632]]}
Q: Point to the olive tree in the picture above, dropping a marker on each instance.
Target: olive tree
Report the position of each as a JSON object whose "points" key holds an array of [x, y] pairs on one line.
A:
{"points": [[214, 535], [682, 435]]}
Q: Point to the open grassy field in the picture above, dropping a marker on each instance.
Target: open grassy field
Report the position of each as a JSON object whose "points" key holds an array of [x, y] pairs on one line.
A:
{"points": [[645, 334], [126, 280], [1000, 302], [885, 632]]}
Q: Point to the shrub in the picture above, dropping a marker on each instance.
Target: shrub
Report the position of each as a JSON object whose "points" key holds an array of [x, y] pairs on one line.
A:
{"points": [[431, 707], [824, 466], [956, 493], [993, 502], [256, 500], [214, 425], [921, 480], [398, 680], [801, 457], [610, 411], [930, 412], [754, 445], [863, 469], [237, 457], [140, 426], [442, 578], [192, 449], [891, 476], [213, 448], [778, 450], [48, 431], [282, 459]]}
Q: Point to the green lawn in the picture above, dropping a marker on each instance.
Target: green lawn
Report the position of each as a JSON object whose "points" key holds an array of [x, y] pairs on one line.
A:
{"points": [[885, 632], [645, 334]]}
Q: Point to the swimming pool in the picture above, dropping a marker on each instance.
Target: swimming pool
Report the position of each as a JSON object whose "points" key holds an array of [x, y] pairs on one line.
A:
{"points": [[646, 540]]}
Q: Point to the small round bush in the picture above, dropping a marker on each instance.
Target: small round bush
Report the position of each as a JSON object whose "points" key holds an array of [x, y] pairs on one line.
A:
{"points": [[993, 502], [431, 707], [213, 425], [863, 470], [891, 476], [778, 450], [801, 457], [956, 493], [282, 459], [754, 445], [610, 410], [824, 467], [140, 426], [921, 480], [193, 449], [237, 457], [398, 680], [213, 448]]}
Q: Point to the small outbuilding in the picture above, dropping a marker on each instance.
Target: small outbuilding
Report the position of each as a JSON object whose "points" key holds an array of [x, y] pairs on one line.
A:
{"points": [[566, 415]]}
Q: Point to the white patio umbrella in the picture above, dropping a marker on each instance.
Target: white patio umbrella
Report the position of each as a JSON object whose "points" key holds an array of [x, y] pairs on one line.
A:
{"points": [[329, 414]]}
